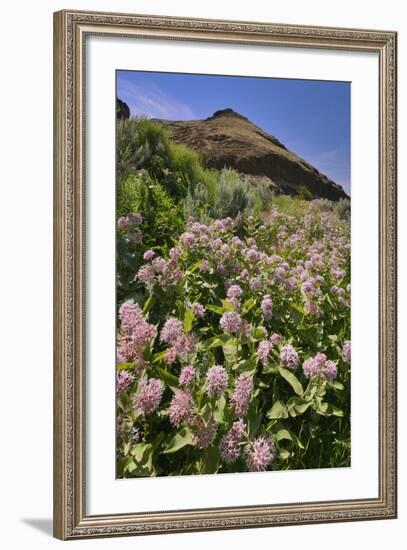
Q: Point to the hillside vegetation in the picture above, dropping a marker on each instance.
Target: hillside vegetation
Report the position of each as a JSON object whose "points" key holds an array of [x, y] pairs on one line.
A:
{"points": [[233, 322]]}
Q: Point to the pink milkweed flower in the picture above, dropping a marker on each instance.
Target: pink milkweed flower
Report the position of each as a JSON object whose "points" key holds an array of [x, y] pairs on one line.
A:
{"points": [[187, 375], [204, 433], [234, 291], [181, 407], [275, 338], [199, 310], [187, 239], [346, 351], [232, 323], [330, 370], [241, 396], [230, 447], [148, 396], [171, 330], [289, 357], [217, 381], [267, 307], [123, 380], [263, 351], [149, 255], [260, 454]]}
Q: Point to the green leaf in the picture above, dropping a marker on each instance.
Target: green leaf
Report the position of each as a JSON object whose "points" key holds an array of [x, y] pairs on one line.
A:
{"points": [[259, 334], [333, 411], [230, 350], [139, 450], [336, 385], [297, 307], [180, 440], [278, 410], [282, 434], [284, 454], [226, 306], [246, 365], [147, 304], [124, 366], [169, 379], [219, 412], [194, 266], [253, 419], [292, 380], [216, 309], [297, 406], [188, 319], [249, 304], [217, 341], [211, 460]]}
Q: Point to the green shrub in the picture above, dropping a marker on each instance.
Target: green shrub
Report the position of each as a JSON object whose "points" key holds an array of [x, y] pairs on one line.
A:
{"points": [[304, 193], [163, 222], [342, 209]]}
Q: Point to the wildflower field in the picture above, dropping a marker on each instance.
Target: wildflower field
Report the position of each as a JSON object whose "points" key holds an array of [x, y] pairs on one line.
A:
{"points": [[233, 331]]}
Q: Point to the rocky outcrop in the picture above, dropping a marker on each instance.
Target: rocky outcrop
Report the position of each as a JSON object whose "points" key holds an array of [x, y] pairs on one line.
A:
{"points": [[228, 139], [122, 109]]}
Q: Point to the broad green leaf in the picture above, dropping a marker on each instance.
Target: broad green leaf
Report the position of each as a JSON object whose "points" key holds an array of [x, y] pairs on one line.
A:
{"points": [[333, 411], [292, 380], [211, 460], [310, 391], [284, 454], [216, 309], [230, 350], [282, 434], [259, 334], [253, 419], [278, 410], [217, 341], [226, 306], [180, 440], [246, 365], [188, 319], [219, 411], [139, 450], [158, 357], [169, 379], [336, 385], [125, 366], [297, 406], [298, 308], [249, 304]]}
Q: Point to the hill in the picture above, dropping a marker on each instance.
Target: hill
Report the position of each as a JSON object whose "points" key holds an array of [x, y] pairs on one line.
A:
{"points": [[228, 139]]}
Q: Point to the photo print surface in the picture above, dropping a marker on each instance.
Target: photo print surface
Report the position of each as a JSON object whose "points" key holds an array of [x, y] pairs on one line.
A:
{"points": [[232, 274]]}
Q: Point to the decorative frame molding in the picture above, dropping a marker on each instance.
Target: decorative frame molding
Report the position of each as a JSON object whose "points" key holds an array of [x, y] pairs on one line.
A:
{"points": [[70, 31]]}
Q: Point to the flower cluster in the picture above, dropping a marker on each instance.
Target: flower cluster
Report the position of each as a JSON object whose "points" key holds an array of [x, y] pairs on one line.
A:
{"points": [[200, 388], [182, 345], [135, 332], [260, 454], [148, 396], [181, 407], [217, 380], [129, 224], [241, 396], [319, 364], [289, 357], [230, 444]]}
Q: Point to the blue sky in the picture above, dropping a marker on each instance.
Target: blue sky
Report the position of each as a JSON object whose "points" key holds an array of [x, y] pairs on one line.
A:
{"points": [[311, 117]]}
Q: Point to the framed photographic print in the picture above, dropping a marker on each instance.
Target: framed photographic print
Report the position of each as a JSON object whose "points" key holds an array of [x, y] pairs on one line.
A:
{"points": [[225, 274]]}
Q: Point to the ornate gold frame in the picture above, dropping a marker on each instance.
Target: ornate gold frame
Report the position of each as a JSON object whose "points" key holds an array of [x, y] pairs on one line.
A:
{"points": [[70, 31]]}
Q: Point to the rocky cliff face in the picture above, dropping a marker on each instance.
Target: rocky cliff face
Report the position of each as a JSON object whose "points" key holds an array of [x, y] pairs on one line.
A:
{"points": [[228, 139], [122, 109]]}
